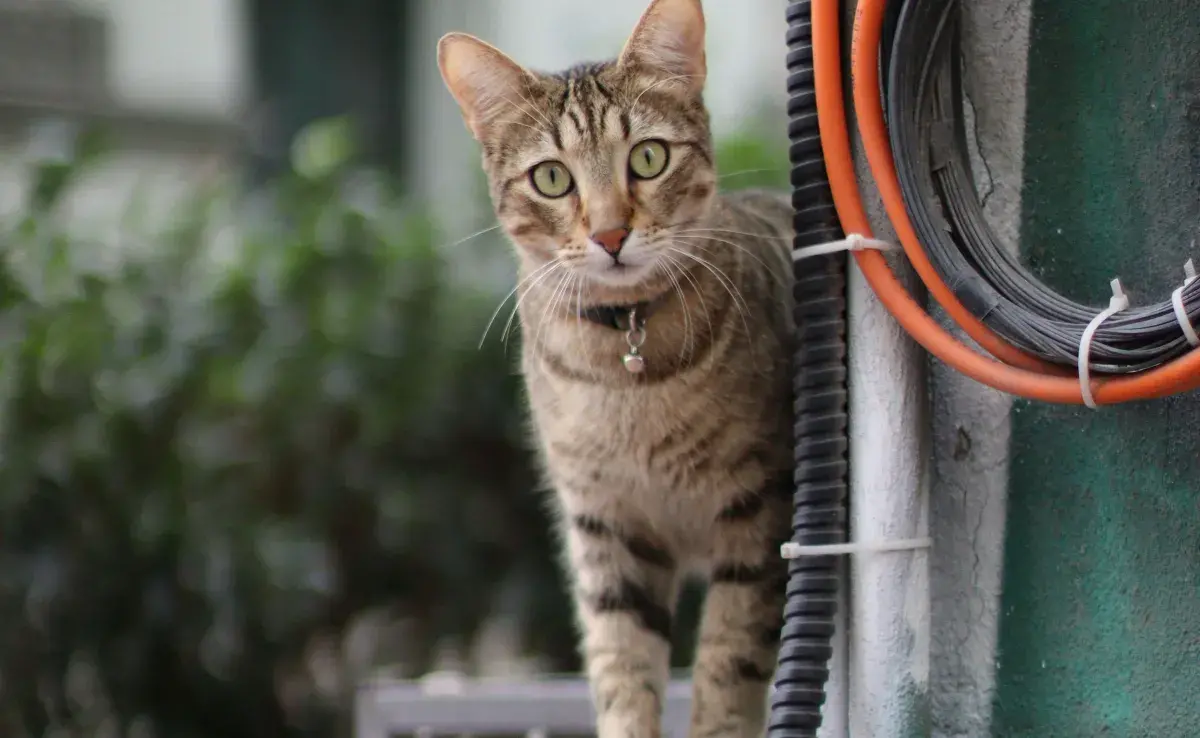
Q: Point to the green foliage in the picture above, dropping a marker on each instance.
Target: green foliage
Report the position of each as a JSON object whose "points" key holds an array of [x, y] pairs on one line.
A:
{"points": [[748, 160], [236, 435]]}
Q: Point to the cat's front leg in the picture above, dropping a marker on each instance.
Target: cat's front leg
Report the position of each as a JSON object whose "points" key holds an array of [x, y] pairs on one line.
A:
{"points": [[740, 626], [625, 586]]}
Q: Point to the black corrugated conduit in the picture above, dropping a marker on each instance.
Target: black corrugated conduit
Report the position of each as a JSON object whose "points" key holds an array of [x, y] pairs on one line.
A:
{"points": [[822, 470]]}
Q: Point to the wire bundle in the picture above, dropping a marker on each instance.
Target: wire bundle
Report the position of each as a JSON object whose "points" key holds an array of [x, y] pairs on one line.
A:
{"points": [[928, 137], [1033, 333]]}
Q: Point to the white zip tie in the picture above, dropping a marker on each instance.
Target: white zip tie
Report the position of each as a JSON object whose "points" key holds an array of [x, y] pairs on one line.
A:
{"points": [[852, 242], [797, 551], [1118, 302], [1189, 330]]}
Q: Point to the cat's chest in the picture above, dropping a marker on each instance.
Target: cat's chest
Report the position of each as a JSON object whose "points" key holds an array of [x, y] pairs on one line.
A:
{"points": [[647, 455], [617, 427], [656, 440]]}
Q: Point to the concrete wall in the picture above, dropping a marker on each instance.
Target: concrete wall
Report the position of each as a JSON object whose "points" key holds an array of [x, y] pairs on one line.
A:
{"points": [[971, 424]]}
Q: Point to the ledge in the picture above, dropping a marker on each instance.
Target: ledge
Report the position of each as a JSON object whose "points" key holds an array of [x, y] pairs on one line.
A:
{"points": [[453, 706]]}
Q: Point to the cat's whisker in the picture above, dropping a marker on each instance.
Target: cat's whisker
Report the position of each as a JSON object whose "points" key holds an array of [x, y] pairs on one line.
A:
{"points": [[689, 337], [563, 298], [700, 293], [529, 282], [693, 239], [717, 272], [507, 297], [728, 232], [549, 308], [463, 240], [743, 172], [686, 274], [730, 287], [727, 283], [579, 306], [537, 337], [707, 232], [556, 264], [580, 282]]}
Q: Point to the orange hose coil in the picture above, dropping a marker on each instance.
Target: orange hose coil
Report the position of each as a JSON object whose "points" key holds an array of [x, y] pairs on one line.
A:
{"points": [[1019, 374]]}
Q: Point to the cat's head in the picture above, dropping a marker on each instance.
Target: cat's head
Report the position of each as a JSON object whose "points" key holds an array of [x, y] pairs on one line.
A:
{"points": [[597, 166]]}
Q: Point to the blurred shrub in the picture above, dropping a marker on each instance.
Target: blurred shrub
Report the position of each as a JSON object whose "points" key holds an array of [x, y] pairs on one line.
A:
{"points": [[752, 158], [235, 453], [223, 443]]}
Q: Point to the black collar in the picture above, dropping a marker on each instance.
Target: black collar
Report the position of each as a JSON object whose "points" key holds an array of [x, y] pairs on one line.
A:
{"points": [[617, 316], [614, 316]]}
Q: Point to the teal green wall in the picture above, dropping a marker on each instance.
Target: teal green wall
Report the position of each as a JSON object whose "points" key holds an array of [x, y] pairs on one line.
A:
{"points": [[1100, 619]]}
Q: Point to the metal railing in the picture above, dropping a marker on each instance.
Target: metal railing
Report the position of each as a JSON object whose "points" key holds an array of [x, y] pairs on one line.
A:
{"points": [[451, 706]]}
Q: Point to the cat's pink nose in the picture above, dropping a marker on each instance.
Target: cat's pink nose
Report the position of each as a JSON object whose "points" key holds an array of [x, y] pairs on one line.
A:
{"points": [[611, 240]]}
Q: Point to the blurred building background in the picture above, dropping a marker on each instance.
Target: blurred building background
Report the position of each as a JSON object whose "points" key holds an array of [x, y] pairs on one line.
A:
{"points": [[196, 84]]}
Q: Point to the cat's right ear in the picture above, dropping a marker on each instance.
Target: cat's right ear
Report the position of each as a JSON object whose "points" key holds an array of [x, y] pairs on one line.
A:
{"points": [[480, 77], [669, 41]]}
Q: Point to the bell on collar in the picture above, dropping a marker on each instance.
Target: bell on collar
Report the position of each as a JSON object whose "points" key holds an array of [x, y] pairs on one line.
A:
{"points": [[634, 362]]}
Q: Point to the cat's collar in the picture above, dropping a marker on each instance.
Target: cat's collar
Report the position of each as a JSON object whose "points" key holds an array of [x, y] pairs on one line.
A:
{"points": [[631, 318], [613, 316], [617, 316]]}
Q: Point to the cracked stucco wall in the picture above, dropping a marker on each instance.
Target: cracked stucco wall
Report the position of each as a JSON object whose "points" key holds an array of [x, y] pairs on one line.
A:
{"points": [[968, 433], [971, 424]]}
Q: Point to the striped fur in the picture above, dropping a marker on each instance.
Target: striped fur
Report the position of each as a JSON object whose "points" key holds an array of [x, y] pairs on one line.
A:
{"points": [[685, 469]]}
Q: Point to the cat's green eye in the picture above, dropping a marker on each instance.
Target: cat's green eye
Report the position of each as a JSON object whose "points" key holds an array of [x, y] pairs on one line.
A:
{"points": [[551, 178], [648, 159]]}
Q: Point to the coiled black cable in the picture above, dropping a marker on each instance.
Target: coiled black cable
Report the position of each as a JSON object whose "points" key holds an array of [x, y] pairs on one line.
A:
{"points": [[822, 469], [926, 125]]}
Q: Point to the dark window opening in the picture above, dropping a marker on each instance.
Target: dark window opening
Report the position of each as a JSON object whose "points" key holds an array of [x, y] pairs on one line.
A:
{"points": [[314, 59]]}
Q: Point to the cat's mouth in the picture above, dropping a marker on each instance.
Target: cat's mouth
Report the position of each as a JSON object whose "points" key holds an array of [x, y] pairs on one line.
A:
{"points": [[626, 268], [622, 272]]}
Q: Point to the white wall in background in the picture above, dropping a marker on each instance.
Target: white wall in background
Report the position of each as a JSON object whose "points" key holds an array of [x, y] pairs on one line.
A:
{"points": [[180, 59], [180, 56], [745, 44]]}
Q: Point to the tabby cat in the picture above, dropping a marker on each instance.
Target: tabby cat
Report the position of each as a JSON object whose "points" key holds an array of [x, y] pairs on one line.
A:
{"points": [[656, 354]]}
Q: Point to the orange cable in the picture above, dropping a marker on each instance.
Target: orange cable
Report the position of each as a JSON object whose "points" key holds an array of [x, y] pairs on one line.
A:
{"points": [[1027, 377]]}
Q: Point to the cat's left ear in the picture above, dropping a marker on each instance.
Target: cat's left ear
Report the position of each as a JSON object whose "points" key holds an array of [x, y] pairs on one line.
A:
{"points": [[482, 79], [669, 42]]}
